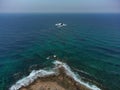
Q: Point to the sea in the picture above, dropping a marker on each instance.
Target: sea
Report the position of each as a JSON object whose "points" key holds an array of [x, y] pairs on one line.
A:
{"points": [[89, 45]]}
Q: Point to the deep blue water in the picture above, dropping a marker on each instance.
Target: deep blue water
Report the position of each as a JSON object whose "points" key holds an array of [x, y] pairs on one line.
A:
{"points": [[90, 42]]}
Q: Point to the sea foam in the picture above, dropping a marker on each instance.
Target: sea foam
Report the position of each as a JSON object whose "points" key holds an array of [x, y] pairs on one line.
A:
{"points": [[70, 73], [42, 73], [29, 79]]}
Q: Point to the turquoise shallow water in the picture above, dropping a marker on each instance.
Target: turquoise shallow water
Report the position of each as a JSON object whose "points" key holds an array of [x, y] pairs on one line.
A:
{"points": [[90, 42]]}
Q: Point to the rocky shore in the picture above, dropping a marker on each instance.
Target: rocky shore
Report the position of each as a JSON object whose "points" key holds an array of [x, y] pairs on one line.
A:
{"points": [[60, 81], [60, 77]]}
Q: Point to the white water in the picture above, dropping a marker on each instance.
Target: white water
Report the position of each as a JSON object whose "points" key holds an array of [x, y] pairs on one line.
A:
{"points": [[29, 79], [70, 73], [42, 73]]}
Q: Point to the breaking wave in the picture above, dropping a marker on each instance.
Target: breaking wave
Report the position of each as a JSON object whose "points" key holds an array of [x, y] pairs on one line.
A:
{"points": [[42, 73]]}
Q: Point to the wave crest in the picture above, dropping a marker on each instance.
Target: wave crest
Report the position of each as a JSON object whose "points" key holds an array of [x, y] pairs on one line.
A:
{"points": [[42, 73]]}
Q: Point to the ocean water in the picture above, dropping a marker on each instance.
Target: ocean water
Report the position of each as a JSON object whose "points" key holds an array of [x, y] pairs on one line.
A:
{"points": [[90, 43]]}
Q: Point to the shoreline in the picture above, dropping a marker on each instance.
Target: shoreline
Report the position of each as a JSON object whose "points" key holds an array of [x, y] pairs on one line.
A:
{"points": [[59, 78], [55, 82]]}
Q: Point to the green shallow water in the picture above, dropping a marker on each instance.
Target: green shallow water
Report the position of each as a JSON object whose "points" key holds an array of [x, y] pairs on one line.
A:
{"points": [[90, 42]]}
